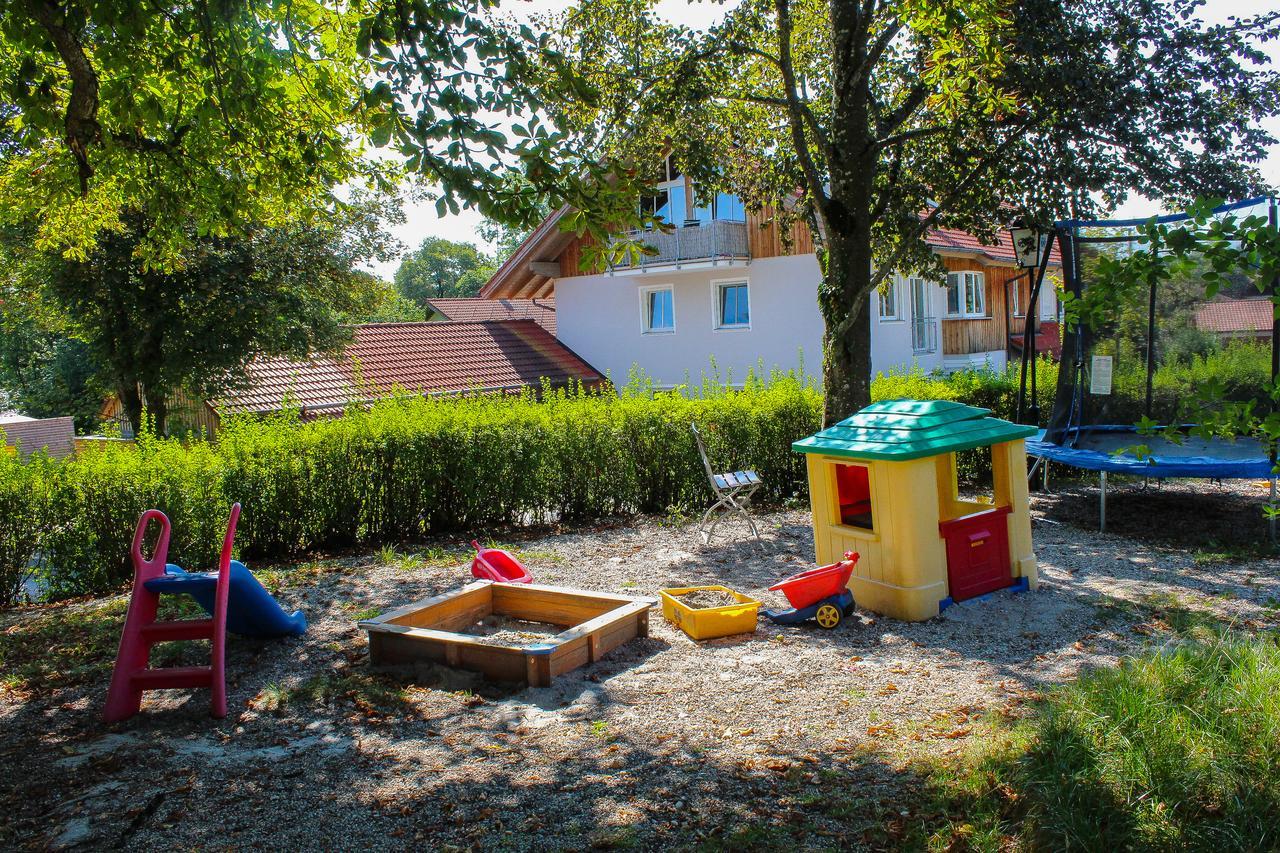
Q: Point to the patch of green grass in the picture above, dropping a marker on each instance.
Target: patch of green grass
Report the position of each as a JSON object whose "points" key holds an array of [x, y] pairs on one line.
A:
{"points": [[369, 692], [277, 579], [1214, 553], [1171, 750], [362, 613], [46, 649], [600, 729]]}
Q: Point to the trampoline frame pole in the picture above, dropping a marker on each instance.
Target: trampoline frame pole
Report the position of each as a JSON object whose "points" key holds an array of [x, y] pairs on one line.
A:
{"points": [[1102, 502]]}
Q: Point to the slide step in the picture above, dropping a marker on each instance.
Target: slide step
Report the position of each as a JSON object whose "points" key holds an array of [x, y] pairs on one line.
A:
{"points": [[172, 678], [178, 629]]}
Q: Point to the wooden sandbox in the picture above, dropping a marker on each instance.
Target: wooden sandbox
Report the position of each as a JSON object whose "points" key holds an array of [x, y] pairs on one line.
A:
{"points": [[432, 630]]}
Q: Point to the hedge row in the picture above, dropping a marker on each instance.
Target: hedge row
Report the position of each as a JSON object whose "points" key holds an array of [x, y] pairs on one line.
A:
{"points": [[399, 471]]}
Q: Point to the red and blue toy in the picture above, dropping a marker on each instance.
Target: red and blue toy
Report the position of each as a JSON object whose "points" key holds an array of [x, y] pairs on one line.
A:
{"points": [[233, 599], [822, 594], [495, 564]]}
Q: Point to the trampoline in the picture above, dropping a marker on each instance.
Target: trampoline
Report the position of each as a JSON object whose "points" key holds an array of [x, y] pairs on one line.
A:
{"points": [[1086, 428]]}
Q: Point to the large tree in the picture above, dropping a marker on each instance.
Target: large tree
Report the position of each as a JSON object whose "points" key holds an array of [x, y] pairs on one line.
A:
{"points": [[876, 120], [153, 333], [440, 267], [195, 117]]}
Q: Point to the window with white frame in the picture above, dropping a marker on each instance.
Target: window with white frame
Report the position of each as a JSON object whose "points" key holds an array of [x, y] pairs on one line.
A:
{"points": [[966, 294], [890, 305], [657, 310], [1016, 297], [733, 305]]}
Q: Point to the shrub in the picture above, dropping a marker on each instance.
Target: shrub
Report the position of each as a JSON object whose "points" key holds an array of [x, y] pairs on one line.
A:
{"points": [[23, 514], [400, 470]]}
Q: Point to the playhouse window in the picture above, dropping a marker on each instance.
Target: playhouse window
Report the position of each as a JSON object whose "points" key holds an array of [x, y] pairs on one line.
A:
{"points": [[853, 490]]}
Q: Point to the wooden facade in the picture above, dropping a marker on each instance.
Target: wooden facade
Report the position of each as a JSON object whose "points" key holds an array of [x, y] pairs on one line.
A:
{"points": [[988, 334]]}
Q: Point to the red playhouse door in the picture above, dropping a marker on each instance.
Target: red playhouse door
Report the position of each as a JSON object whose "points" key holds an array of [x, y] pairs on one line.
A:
{"points": [[977, 553]]}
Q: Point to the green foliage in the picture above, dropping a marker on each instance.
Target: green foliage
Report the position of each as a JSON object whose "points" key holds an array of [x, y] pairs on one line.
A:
{"points": [[404, 469], [24, 508], [204, 118], [442, 268], [151, 334], [1172, 750], [1224, 394]]}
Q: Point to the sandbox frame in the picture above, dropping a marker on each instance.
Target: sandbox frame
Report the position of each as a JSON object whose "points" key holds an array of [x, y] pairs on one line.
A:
{"points": [[429, 631]]}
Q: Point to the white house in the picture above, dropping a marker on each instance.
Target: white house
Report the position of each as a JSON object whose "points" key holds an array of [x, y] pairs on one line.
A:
{"points": [[725, 287]]}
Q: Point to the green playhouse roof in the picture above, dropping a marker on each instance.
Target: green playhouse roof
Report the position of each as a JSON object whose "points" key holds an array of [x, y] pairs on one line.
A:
{"points": [[898, 430]]}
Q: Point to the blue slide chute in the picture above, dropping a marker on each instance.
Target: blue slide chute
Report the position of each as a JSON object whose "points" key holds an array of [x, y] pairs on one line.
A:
{"points": [[251, 610]]}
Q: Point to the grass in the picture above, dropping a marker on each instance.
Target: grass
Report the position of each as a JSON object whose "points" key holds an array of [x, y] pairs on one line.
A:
{"points": [[1172, 750], [47, 649]]}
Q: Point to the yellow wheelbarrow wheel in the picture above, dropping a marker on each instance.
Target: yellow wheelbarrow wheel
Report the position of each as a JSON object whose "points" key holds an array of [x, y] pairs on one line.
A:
{"points": [[828, 616]]}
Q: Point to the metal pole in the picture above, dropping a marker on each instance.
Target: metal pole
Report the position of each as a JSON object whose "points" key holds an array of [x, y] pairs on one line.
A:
{"points": [[1102, 502], [1275, 359], [1151, 339], [1045, 485], [1271, 519]]}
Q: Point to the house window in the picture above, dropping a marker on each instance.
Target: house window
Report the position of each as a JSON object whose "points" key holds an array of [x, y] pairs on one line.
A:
{"points": [[1016, 296], [733, 305], [730, 207], [657, 310], [853, 491], [890, 308], [966, 294]]}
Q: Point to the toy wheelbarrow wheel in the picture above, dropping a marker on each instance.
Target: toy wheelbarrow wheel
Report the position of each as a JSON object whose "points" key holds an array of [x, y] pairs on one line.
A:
{"points": [[828, 615]]}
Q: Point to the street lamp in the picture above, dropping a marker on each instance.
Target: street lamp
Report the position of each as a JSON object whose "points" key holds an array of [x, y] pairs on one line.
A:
{"points": [[1030, 248], [1029, 244]]}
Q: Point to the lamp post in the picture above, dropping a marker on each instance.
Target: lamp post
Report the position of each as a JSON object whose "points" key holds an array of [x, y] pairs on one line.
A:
{"points": [[1031, 250]]}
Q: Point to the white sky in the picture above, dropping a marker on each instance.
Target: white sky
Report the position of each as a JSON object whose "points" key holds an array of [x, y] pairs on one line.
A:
{"points": [[421, 220]]}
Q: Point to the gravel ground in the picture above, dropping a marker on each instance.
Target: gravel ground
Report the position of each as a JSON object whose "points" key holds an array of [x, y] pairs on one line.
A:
{"points": [[791, 735]]}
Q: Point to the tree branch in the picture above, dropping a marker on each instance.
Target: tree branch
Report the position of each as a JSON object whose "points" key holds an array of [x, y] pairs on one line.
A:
{"points": [[795, 109], [886, 269], [81, 119]]}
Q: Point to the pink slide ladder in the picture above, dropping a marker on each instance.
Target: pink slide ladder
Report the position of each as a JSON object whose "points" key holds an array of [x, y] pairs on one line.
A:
{"points": [[133, 673]]}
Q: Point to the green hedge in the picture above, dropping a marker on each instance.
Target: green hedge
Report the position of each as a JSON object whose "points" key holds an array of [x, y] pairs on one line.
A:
{"points": [[399, 471]]}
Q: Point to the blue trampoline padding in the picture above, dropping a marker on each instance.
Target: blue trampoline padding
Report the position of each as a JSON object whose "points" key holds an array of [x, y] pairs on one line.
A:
{"points": [[251, 610], [1096, 450]]}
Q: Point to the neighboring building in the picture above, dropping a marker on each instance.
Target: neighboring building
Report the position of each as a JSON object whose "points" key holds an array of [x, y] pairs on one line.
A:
{"points": [[1236, 319], [541, 311], [429, 358], [726, 285], [55, 436]]}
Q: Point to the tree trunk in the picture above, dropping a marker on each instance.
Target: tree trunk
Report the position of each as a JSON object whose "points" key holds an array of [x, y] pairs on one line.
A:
{"points": [[846, 344], [158, 410], [131, 402]]}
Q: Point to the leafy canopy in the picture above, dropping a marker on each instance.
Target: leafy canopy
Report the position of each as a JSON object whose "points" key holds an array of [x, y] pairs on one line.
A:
{"points": [[440, 268], [199, 117]]}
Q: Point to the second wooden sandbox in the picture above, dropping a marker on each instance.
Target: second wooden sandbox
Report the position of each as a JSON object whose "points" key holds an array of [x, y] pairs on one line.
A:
{"points": [[434, 630]]}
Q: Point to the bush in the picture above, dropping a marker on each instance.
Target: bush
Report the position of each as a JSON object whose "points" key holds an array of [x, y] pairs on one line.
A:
{"points": [[400, 470], [23, 514]]}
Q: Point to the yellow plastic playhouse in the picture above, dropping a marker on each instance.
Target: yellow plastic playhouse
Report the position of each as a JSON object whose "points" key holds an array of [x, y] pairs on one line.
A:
{"points": [[883, 483]]}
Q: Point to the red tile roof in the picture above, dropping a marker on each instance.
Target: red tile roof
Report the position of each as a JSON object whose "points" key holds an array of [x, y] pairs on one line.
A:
{"points": [[541, 311], [1235, 315], [949, 239], [427, 358]]}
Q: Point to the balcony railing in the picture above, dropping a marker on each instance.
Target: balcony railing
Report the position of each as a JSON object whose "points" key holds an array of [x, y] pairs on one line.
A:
{"points": [[714, 242]]}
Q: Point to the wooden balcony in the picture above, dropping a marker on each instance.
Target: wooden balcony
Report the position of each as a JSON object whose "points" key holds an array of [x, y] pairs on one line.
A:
{"points": [[717, 243]]}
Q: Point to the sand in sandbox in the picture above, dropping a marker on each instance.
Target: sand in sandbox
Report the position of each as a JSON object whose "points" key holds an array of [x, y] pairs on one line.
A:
{"points": [[705, 599], [503, 631]]}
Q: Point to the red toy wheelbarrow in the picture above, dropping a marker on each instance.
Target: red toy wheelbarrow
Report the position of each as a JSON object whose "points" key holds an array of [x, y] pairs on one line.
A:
{"points": [[822, 594], [495, 564]]}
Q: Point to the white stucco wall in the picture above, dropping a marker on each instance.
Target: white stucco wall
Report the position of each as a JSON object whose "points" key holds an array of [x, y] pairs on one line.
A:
{"points": [[600, 318]]}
